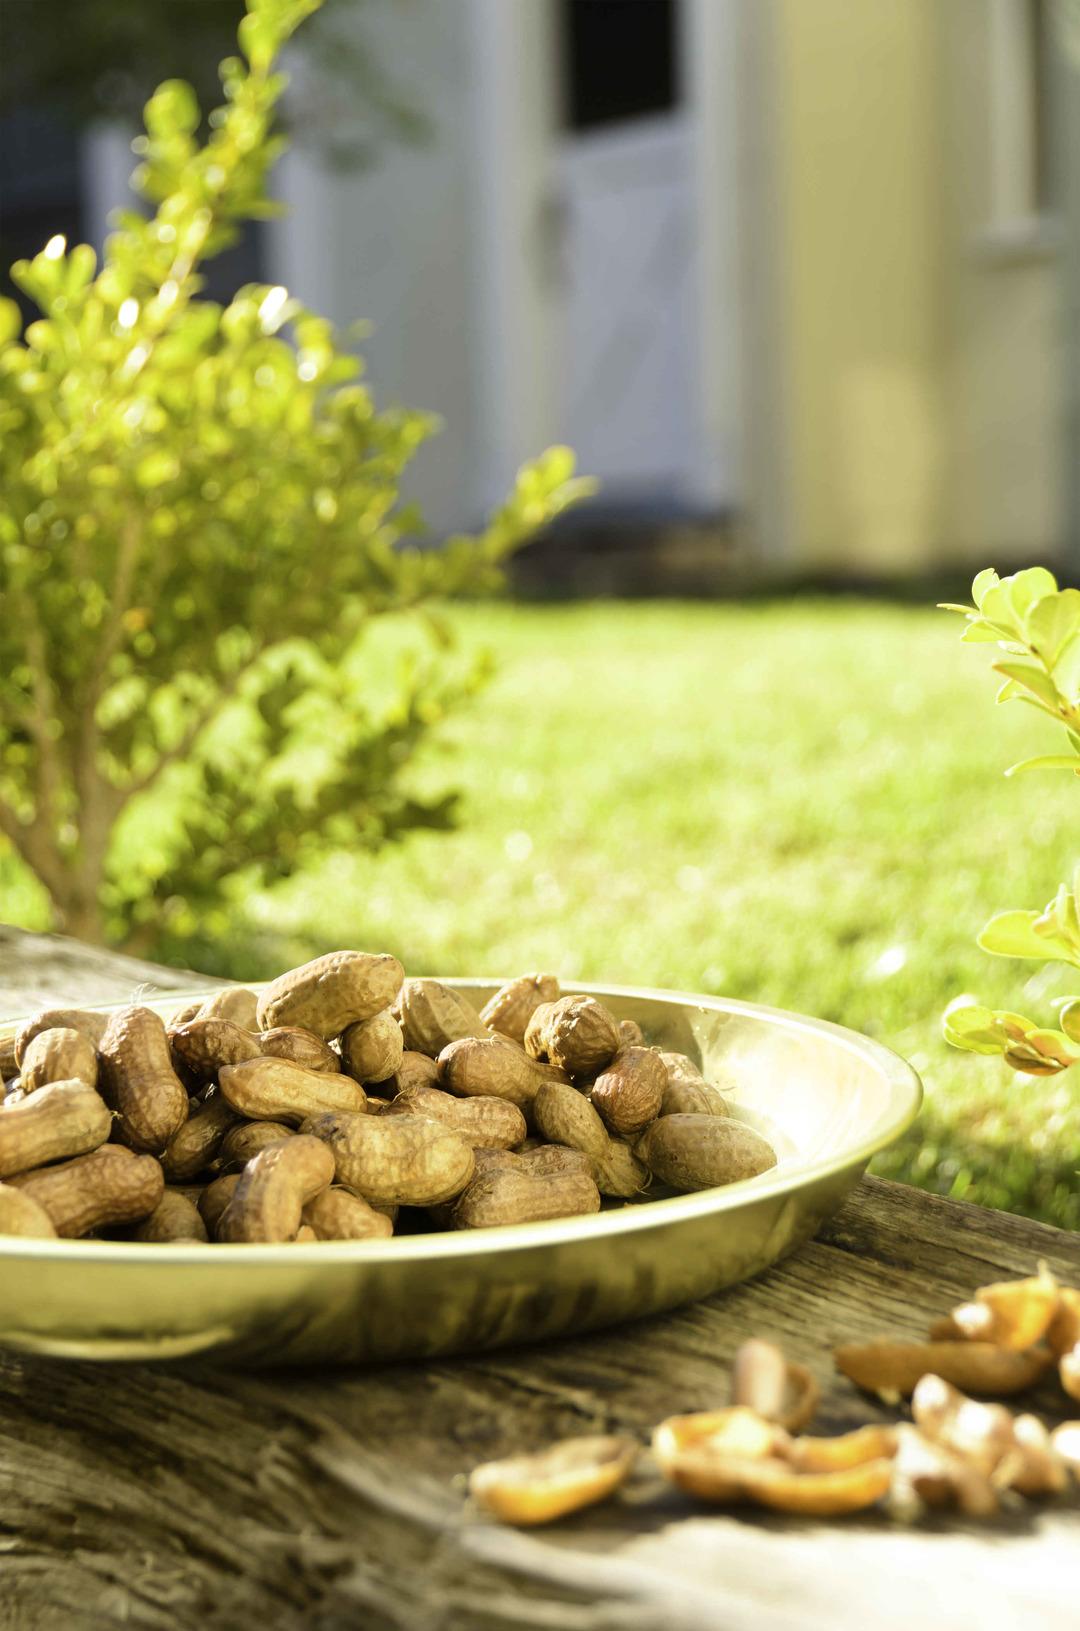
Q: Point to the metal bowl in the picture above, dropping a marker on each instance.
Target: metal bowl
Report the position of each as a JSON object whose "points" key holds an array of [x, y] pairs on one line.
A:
{"points": [[827, 1098]]}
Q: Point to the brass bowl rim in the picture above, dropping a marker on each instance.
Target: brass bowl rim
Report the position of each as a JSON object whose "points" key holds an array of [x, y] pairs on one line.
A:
{"points": [[905, 1095]]}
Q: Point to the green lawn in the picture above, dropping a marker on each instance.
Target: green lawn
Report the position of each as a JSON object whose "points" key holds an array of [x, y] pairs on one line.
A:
{"points": [[797, 802]]}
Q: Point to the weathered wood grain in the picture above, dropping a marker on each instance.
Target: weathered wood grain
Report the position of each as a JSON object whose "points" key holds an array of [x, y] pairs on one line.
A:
{"points": [[184, 1498]]}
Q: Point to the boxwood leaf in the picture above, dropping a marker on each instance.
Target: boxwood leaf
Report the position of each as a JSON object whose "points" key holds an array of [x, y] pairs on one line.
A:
{"points": [[1013, 934]]}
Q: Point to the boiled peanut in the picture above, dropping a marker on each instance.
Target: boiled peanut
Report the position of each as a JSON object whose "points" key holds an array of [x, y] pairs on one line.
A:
{"points": [[236, 1003], [575, 1033], [415, 1070], [298, 1047], [513, 1005], [8, 1064], [372, 1049], [215, 1198], [338, 1214], [686, 1092], [501, 1196], [87, 1021], [193, 1146], [275, 1186], [203, 1046], [485, 1123], [552, 1161], [21, 1215], [565, 1116], [241, 1143], [700, 1152], [491, 1066], [138, 1079], [274, 1090], [396, 1160], [618, 1171], [63, 1119], [629, 1092], [630, 1034], [175, 1217], [59, 1055], [433, 1015], [190, 1011], [109, 1185], [534, 1489], [331, 993]]}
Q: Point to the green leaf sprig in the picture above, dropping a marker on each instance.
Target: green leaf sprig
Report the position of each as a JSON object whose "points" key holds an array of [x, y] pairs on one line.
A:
{"points": [[1037, 626]]}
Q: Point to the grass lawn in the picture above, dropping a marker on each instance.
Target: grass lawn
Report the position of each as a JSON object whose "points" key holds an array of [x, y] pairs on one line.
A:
{"points": [[798, 802]]}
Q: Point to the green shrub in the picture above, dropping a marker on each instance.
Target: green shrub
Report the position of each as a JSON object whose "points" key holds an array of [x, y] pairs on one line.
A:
{"points": [[1037, 625], [199, 518]]}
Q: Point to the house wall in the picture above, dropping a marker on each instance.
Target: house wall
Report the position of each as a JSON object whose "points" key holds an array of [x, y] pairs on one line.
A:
{"points": [[1003, 376], [856, 313], [391, 244], [913, 411]]}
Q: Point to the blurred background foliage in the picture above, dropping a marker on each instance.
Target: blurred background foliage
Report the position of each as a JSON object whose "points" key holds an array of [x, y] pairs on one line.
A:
{"points": [[101, 59]]}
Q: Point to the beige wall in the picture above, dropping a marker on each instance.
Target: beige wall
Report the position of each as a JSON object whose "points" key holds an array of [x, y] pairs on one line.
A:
{"points": [[913, 414], [859, 278]]}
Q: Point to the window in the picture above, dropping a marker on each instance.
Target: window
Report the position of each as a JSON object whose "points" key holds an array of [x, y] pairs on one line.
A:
{"points": [[1023, 182], [618, 59]]}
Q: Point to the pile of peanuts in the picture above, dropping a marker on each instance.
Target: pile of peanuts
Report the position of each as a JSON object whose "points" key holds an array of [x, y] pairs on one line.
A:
{"points": [[345, 1101]]}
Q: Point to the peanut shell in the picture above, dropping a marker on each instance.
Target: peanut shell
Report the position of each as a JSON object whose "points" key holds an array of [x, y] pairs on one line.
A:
{"points": [[686, 1092], [194, 1145], [396, 1160], [338, 1214], [203, 1046], [485, 1123], [491, 1066], [629, 1092], [331, 992], [61, 1120], [236, 1003], [275, 1186], [87, 1021], [506, 1196], [58, 1055], [109, 1185], [433, 1015], [21, 1215], [701, 1152], [513, 1005], [242, 1142], [138, 1079], [175, 1217], [577, 1034], [273, 1090], [298, 1047], [372, 1049]]}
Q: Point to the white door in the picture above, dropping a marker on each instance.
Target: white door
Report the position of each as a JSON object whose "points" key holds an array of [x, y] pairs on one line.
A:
{"points": [[625, 307]]}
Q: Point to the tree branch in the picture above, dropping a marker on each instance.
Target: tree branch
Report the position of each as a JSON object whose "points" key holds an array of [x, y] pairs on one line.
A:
{"points": [[36, 846]]}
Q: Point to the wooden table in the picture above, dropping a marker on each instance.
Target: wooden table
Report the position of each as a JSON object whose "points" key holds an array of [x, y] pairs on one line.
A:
{"points": [[311, 1501]]}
